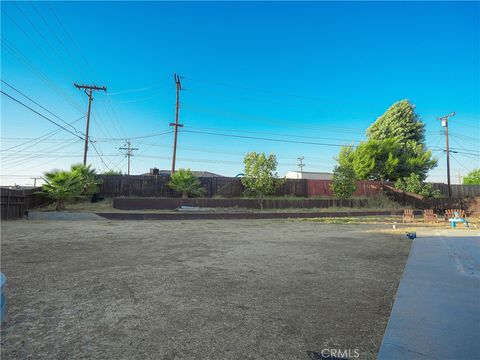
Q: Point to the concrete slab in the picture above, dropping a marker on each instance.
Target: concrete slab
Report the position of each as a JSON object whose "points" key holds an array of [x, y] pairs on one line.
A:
{"points": [[436, 314]]}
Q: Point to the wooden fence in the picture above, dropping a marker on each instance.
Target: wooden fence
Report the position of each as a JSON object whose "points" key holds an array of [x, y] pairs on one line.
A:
{"points": [[156, 186], [470, 204], [14, 202], [364, 188], [458, 191]]}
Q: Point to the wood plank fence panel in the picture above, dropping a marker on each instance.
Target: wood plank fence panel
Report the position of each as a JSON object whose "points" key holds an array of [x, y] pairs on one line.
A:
{"points": [[14, 202], [458, 191]]}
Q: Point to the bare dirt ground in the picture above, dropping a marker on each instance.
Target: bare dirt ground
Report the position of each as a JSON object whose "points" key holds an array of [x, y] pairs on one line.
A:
{"points": [[264, 289]]}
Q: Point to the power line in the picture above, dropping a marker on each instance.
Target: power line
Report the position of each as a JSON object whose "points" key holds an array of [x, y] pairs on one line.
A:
{"points": [[42, 138], [120, 131], [132, 90], [269, 133], [276, 122], [459, 163], [262, 138], [43, 116], [38, 73], [100, 156], [39, 105], [17, 163]]}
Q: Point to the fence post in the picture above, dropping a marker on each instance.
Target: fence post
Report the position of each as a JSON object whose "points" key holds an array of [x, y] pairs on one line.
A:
{"points": [[8, 204]]}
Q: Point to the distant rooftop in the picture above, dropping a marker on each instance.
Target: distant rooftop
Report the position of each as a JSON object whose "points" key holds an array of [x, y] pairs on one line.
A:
{"points": [[310, 175]]}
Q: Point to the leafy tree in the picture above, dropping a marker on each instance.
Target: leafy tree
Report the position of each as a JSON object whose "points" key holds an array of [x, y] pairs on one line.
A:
{"points": [[343, 182], [112, 172], [186, 183], [88, 178], [399, 122], [61, 186], [414, 184], [260, 177], [472, 178], [395, 147]]}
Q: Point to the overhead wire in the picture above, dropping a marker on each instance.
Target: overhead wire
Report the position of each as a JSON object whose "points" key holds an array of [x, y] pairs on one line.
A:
{"points": [[261, 138], [39, 114], [41, 138], [41, 106], [38, 73]]}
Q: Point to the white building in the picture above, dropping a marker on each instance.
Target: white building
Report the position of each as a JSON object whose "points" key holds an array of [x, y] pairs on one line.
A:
{"points": [[309, 175]]}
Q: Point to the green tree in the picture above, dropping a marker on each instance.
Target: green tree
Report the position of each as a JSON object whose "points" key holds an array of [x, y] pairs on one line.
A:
{"points": [[343, 182], [260, 177], [472, 178], [399, 122], [395, 147], [112, 172], [414, 184], [61, 186], [88, 178], [186, 183]]}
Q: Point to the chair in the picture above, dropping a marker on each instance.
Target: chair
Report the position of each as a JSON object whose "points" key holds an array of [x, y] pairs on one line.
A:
{"points": [[429, 216], [408, 216], [454, 214]]}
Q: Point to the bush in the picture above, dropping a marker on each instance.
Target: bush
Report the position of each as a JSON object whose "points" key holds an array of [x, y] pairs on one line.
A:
{"points": [[343, 182], [186, 183], [414, 185], [472, 178], [88, 178], [260, 178], [60, 186]]}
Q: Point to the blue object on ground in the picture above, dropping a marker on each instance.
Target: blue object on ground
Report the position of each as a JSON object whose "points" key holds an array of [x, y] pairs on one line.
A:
{"points": [[454, 221], [411, 235], [3, 298], [436, 314]]}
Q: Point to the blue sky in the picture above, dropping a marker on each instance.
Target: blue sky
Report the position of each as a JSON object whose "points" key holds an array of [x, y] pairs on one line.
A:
{"points": [[309, 72]]}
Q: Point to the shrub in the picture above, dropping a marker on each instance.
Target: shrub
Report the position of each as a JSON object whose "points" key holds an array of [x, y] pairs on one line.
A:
{"points": [[472, 178], [260, 177], [186, 183], [61, 186], [343, 182], [414, 185], [88, 179]]}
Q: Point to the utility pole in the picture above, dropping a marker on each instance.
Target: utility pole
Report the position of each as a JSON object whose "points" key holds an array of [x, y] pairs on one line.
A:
{"points": [[301, 164], [176, 125], [129, 153], [444, 120], [88, 89], [35, 180]]}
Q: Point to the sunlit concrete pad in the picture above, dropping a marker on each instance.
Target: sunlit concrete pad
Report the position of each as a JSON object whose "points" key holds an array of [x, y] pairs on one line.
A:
{"points": [[436, 314]]}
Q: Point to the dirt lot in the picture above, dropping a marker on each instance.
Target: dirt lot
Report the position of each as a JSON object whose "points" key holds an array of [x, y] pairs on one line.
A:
{"points": [[271, 289]]}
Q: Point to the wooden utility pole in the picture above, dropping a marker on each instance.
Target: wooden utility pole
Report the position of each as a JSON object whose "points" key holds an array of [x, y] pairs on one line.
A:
{"points": [[176, 125], [129, 153], [88, 89], [444, 120]]}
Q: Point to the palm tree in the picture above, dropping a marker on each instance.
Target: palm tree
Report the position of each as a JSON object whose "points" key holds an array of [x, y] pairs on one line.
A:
{"points": [[88, 178], [186, 183], [61, 186]]}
